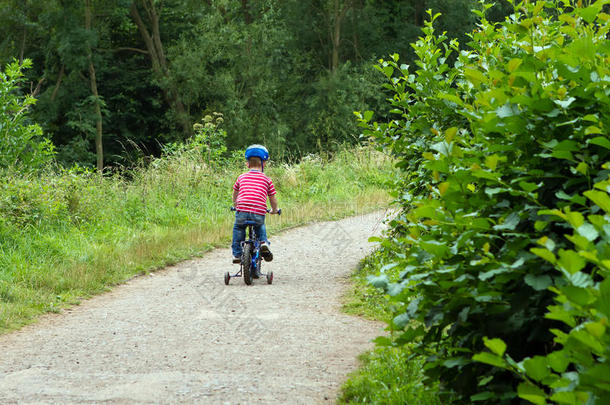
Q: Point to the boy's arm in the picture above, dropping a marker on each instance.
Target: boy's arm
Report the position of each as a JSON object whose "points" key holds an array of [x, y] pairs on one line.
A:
{"points": [[273, 202], [235, 193]]}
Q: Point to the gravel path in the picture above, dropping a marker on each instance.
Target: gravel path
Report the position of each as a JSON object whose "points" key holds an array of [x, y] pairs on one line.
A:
{"points": [[181, 336]]}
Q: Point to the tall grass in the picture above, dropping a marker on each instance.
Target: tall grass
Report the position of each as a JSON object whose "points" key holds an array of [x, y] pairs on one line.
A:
{"points": [[65, 236]]}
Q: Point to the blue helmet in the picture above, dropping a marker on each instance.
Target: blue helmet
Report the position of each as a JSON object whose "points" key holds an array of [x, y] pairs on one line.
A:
{"points": [[257, 151]]}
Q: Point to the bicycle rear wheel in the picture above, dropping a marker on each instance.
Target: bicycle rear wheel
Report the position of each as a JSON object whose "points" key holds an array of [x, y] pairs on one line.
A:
{"points": [[246, 262]]}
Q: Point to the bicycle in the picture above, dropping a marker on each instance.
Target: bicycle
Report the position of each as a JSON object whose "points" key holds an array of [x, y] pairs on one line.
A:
{"points": [[251, 259]]}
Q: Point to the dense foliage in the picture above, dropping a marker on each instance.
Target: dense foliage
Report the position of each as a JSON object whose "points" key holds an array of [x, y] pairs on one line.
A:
{"points": [[120, 78], [502, 239]]}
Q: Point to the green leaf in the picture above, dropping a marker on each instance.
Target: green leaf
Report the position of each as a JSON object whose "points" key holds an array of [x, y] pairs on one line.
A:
{"points": [[568, 145], [513, 64], [538, 7], [538, 283], [575, 218], [380, 282], [579, 296], [489, 274], [603, 303], [571, 261], [492, 161], [382, 341], [484, 381], [589, 14], [509, 224], [456, 362], [545, 254], [565, 103], [497, 346], [596, 329], [483, 396], [601, 141], [531, 393], [451, 97], [592, 130], [474, 75], [536, 367], [428, 211], [578, 199], [507, 110], [588, 340], [558, 313], [569, 398], [558, 361], [600, 198], [588, 231], [436, 248], [579, 279], [388, 71], [491, 359], [483, 174], [529, 187]]}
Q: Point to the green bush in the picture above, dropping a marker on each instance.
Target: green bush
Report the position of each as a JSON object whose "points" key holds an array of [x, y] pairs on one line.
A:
{"points": [[489, 147], [576, 371], [22, 145]]}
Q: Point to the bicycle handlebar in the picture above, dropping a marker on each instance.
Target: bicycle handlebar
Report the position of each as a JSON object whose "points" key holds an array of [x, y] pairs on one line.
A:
{"points": [[279, 212]]}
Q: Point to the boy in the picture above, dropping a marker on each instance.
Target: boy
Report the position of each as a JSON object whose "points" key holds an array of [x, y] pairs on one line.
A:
{"points": [[250, 193]]}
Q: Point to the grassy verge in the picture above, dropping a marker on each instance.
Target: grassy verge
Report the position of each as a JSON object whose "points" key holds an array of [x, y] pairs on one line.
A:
{"points": [[388, 375], [65, 237]]}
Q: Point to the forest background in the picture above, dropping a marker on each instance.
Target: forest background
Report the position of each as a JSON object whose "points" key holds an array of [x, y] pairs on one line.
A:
{"points": [[117, 80]]}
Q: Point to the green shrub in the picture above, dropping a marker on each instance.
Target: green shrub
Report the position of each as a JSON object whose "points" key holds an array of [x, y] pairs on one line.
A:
{"points": [[576, 371], [489, 147], [22, 145]]}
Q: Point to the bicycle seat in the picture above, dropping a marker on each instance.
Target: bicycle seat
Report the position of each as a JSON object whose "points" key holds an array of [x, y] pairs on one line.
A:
{"points": [[249, 223]]}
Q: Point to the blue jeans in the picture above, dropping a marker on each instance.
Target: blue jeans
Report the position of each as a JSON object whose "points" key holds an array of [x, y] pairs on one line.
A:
{"points": [[239, 230]]}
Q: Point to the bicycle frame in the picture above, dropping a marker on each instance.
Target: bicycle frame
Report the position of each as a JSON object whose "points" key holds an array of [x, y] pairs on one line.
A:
{"points": [[251, 257], [255, 257]]}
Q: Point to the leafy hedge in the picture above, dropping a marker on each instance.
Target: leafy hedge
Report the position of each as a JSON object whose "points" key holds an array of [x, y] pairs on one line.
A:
{"points": [[503, 235]]}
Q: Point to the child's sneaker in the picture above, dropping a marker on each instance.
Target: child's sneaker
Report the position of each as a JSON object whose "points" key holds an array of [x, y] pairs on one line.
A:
{"points": [[236, 260], [266, 253]]}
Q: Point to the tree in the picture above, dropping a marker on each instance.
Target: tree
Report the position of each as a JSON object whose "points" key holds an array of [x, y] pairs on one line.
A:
{"points": [[151, 35], [99, 149]]}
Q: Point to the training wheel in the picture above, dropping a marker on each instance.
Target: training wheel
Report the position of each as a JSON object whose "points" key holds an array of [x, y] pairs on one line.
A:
{"points": [[270, 277], [227, 278]]}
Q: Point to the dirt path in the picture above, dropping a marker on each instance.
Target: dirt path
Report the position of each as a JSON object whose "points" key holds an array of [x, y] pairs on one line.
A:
{"points": [[181, 335]]}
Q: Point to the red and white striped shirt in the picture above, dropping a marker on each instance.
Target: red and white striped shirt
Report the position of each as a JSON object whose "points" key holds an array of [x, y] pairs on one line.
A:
{"points": [[253, 188]]}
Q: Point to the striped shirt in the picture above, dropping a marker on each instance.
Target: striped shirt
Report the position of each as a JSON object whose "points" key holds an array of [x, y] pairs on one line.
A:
{"points": [[253, 187]]}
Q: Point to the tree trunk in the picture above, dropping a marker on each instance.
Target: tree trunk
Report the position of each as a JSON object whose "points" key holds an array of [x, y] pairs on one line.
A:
{"points": [[246, 10], [99, 150], [22, 49], [152, 40], [420, 12], [24, 36], [338, 14], [58, 84]]}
